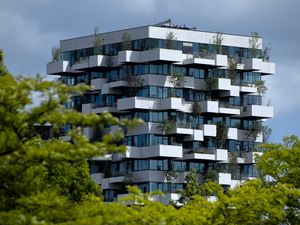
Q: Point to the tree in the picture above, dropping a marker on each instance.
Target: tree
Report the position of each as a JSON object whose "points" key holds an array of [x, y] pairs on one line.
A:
{"points": [[217, 42], [281, 163], [196, 108], [170, 40], [211, 82], [261, 88], [254, 45], [177, 79], [222, 131], [97, 41], [232, 70], [56, 54], [46, 181], [126, 41], [192, 187]]}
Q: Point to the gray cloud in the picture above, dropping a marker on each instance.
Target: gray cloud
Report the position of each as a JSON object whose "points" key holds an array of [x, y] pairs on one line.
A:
{"points": [[30, 28]]}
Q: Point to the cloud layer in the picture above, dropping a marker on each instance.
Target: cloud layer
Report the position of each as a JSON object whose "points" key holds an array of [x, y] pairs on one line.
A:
{"points": [[30, 28]]}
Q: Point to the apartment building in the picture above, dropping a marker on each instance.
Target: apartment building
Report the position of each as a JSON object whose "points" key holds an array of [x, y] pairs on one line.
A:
{"points": [[199, 94]]}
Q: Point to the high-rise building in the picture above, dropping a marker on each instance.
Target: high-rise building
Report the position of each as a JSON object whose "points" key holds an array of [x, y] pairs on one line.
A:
{"points": [[199, 94]]}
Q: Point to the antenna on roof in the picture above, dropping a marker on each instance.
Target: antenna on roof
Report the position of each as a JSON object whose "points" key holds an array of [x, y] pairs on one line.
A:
{"points": [[164, 23]]}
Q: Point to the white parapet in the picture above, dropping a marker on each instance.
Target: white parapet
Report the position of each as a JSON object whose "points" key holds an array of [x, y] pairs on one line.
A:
{"points": [[253, 64], [97, 177], [209, 106], [57, 67], [172, 151], [267, 68], [250, 157], [209, 130], [232, 133], [128, 56], [160, 54], [260, 111], [97, 83], [221, 154], [221, 60], [224, 178]]}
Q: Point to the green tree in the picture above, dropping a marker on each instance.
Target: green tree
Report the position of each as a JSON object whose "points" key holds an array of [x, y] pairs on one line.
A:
{"points": [[217, 43], [46, 181]]}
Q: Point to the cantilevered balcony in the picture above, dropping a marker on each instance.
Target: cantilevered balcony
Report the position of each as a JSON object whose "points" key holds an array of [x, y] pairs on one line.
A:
{"points": [[250, 157], [210, 155], [157, 54], [259, 111], [212, 60], [224, 179], [58, 67], [170, 151], [259, 65]]}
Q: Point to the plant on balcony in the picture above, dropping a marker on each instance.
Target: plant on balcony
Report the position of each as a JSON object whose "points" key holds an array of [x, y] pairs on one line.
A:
{"points": [[233, 160], [126, 41], [254, 45], [265, 54], [192, 187], [56, 54], [97, 41], [255, 128], [232, 70], [211, 175], [261, 88], [211, 82], [217, 43], [266, 132], [196, 108], [177, 79], [170, 40], [167, 126], [222, 131], [109, 61], [170, 176], [134, 82]]}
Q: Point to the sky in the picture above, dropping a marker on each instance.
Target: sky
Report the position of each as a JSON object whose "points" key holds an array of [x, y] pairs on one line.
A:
{"points": [[30, 28]]}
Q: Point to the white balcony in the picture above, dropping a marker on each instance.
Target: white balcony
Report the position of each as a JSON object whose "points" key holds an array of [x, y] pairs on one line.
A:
{"points": [[97, 83], [253, 64], [128, 56], [171, 151], [160, 54], [196, 136], [198, 61], [138, 103], [224, 179], [230, 111], [267, 68], [209, 106], [232, 133], [81, 65], [221, 154], [210, 155], [213, 60], [260, 111], [249, 157], [102, 61], [171, 103], [56, 68], [97, 177], [244, 135], [221, 60], [209, 130]]}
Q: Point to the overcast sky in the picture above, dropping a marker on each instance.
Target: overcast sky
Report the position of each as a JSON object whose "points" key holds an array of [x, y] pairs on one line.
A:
{"points": [[29, 29]]}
